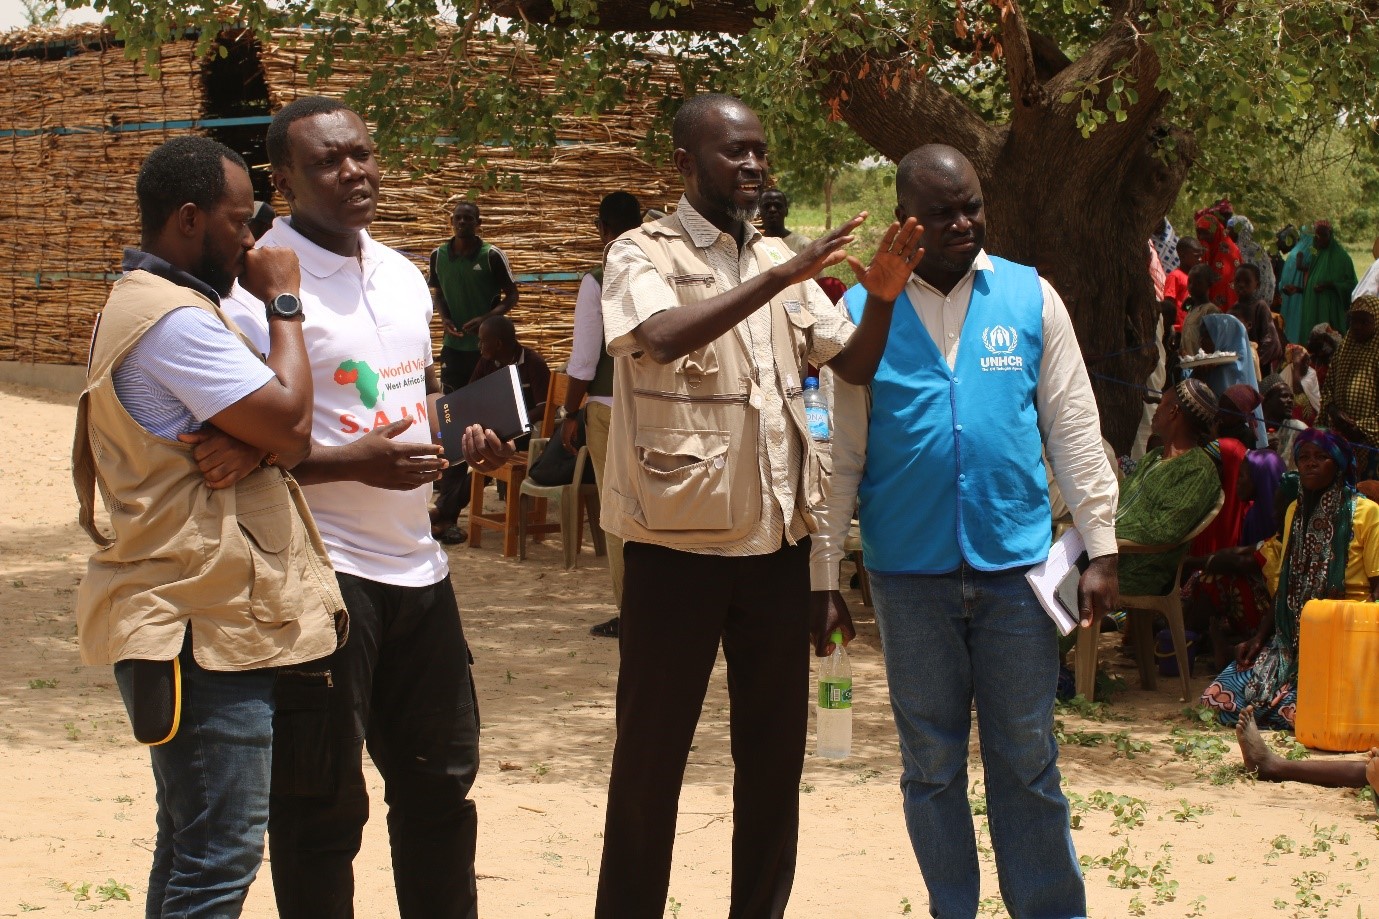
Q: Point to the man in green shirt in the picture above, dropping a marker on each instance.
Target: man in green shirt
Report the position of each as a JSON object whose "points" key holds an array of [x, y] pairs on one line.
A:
{"points": [[470, 281]]}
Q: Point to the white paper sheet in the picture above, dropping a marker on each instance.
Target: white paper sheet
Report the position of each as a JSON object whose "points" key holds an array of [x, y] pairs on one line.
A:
{"points": [[1045, 577]]}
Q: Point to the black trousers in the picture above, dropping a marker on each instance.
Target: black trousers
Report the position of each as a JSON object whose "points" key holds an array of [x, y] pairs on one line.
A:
{"points": [[457, 367], [452, 493], [676, 608], [402, 685]]}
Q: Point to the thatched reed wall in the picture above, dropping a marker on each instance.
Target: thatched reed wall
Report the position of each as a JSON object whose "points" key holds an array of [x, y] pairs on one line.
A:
{"points": [[67, 205], [77, 119], [547, 227]]}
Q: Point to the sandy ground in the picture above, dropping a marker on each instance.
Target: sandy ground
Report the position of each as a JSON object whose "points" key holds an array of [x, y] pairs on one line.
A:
{"points": [[76, 810]]}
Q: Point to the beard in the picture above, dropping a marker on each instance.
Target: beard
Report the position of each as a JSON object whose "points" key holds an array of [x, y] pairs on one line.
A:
{"points": [[216, 270], [725, 200]]}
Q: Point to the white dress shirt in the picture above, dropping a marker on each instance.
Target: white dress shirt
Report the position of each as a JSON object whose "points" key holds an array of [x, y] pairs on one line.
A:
{"points": [[587, 347]]}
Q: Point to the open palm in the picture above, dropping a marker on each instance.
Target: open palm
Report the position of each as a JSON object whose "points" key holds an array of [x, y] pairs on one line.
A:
{"points": [[895, 260]]}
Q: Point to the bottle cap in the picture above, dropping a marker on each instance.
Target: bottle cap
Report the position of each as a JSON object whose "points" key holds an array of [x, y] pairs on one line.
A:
{"points": [[837, 637], [811, 382]]}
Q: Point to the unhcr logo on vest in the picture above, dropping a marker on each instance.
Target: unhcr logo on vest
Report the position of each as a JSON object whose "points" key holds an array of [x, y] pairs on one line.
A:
{"points": [[1001, 341]]}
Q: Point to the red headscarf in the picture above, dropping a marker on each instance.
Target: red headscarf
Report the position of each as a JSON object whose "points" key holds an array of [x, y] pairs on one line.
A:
{"points": [[1224, 531], [1223, 256]]}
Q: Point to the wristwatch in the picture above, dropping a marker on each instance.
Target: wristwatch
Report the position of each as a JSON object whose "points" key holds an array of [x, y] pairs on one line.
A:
{"points": [[284, 306]]}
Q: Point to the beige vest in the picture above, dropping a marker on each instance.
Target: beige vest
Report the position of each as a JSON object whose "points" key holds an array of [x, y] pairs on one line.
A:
{"points": [[683, 453], [244, 565]]}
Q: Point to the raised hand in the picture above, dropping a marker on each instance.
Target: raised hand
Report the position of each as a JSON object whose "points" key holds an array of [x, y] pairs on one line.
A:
{"points": [[895, 260], [270, 271], [823, 252]]}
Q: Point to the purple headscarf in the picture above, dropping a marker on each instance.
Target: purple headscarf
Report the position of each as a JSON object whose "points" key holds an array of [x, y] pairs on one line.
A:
{"points": [[1335, 445], [1265, 470]]}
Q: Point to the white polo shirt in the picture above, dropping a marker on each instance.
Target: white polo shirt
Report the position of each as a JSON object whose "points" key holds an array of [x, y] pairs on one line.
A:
{"points": [[367, 331]]}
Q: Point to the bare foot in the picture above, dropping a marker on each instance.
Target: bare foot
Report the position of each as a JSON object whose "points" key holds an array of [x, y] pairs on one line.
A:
{"points": [[1372, 769], [1259, 759]]}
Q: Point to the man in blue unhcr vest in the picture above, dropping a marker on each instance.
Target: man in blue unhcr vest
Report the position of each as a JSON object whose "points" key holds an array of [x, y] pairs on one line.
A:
{"points": [[981, 370]]}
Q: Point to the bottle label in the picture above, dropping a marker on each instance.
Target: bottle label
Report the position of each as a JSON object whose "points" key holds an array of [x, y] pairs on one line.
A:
{"points": [[835, 694], [817, 417]]}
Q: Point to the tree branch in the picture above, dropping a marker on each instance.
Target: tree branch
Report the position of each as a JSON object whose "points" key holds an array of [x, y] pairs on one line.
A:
{"points": [[895, 109], [1026, 91]]}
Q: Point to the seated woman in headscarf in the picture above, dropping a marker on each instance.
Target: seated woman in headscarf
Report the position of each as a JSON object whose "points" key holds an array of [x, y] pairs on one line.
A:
{"points": [[1303, 383], [1227, 593], [1171, 490], [1350, 395], [1330, 550], [1220, 333]]}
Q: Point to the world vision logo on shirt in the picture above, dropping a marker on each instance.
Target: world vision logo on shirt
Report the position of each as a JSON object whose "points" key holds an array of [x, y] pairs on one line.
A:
{"points": [[1001, 341], [363, 378], [373, 387]]}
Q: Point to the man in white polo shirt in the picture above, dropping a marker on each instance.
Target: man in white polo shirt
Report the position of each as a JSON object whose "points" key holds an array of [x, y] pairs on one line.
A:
{"points": [[402, 681]]}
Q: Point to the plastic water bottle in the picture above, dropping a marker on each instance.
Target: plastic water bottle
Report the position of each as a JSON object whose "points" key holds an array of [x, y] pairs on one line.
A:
{"points": [[834, 738], [816, 412]]}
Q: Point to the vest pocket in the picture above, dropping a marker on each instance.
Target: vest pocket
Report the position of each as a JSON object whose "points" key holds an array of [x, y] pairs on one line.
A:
{"points": [[268, 523], [685, 478]]}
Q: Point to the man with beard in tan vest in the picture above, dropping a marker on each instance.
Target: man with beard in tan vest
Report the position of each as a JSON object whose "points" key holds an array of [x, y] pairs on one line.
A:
{"points": [[216, 576]]}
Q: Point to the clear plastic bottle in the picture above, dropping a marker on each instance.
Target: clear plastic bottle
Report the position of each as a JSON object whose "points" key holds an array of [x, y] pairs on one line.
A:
{"points": [[834, 737], [816, 411]]}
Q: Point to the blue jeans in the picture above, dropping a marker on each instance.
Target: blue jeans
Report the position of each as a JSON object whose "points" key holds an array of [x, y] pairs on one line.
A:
{"points": [[947, 639], [212, 780]]}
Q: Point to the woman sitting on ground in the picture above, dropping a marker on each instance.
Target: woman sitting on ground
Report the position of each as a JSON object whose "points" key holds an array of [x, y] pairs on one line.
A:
{"points": [[1172, 489], [1331, 550]]}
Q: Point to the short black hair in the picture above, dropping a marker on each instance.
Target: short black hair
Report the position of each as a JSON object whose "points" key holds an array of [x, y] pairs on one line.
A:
{"points": [[184, 170], [465, 202], [925, 159], [619, 212], [1200, 271], [1249, 268], [279, 151], [500, 326], [776, 190], [1189, 242], [684, 130]]}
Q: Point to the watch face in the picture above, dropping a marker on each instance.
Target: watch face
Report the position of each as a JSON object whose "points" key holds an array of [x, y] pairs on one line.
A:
{"points": [[287, 306]]}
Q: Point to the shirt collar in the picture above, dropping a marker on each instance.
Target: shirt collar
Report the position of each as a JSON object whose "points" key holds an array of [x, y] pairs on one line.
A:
{"points": [[703, 233], [139, 260], [981, 263], [319, 262]]}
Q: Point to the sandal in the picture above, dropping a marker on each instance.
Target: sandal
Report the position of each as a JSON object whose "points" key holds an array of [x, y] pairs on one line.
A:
{"points": [[607, 629]]}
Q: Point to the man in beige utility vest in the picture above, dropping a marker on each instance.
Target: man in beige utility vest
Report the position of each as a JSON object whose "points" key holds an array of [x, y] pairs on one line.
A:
{"points": [[215, 576], [712, 478]]}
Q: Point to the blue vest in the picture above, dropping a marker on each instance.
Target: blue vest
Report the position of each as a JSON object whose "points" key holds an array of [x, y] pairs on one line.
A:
{"points": [[954, 468]]}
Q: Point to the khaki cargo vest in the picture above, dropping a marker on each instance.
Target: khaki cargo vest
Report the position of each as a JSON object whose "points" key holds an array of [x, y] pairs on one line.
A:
{"points": [[244, 565], [683, 453]]}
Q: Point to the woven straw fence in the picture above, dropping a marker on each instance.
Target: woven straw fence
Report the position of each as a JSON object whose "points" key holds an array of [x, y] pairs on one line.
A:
{"points": [[547, 226], [67, 208]]}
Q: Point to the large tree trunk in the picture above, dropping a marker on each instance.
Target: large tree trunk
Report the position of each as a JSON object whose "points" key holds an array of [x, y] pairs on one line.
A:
{"points": [[1079, 209]]}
